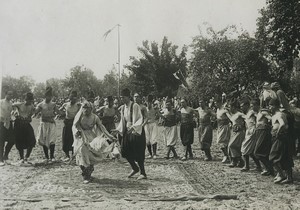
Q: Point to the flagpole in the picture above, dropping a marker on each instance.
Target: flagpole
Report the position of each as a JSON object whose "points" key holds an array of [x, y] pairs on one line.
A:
{"points": [[119, 62]]}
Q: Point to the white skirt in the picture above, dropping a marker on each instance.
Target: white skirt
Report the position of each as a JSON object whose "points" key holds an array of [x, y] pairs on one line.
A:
{"points": [[151, 132], [46, 134], [93, 151], [170, 135]]}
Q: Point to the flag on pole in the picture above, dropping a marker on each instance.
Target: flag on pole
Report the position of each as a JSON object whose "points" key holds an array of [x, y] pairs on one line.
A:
{"points": [[107, 32]]}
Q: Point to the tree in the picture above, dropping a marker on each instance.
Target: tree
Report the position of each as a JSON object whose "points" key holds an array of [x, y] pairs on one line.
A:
{"points": [[110, 83], [156, 71], [19, 86], [223, 64], [58, 86], [278, 29], [83, 80], [295, 78], [126, 81], [39, 90]]}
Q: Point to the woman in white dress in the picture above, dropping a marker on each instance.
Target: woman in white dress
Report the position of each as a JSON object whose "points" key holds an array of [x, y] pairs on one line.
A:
{"points": [[90, 140]]}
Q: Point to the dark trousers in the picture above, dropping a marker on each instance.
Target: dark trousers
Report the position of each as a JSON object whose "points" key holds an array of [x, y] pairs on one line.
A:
{"points": [[137, 167], [87, 172], [6, 135], [21, 152], [52, 149]]}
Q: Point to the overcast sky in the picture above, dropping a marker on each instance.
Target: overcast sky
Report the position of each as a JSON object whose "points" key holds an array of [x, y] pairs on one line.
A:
{"points": [[46, 38]]}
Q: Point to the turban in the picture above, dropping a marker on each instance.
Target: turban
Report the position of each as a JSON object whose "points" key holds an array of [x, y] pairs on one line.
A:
{"points": [[125, 92], [110, 98], [29, 96]]}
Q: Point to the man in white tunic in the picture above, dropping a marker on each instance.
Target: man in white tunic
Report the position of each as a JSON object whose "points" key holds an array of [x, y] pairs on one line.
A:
{"points": [[133, 141]]}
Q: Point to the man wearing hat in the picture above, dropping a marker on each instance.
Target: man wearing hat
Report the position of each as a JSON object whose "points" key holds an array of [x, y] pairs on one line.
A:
{"points": [[70, 108], [6, 128], [133, 142], [47, 130], [25, 138]]}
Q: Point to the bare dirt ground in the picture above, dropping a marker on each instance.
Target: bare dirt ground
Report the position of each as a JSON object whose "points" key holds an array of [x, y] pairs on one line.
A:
{"points": [[171, 184]]}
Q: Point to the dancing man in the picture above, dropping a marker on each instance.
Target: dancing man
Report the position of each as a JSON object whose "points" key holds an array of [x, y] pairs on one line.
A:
{"points": [[133, 141], [108, 114], [280, 155], [223, 132], [205, 128], [151, 128], [237, 134], [47, 129], [71, 108], [170, 133], [6, 127], [187, 129], [25, 138]]}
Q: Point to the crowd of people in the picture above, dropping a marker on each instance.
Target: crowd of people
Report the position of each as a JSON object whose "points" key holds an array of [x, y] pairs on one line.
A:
{"points": [[267, 129]]}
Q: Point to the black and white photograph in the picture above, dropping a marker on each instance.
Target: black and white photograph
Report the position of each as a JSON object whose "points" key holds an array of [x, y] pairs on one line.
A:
{"points": [[150, 104]]}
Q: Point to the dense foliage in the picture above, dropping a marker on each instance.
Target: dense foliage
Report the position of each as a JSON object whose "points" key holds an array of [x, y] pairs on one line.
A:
{"points": [[278, 30], [159, 68], [223, 64]]}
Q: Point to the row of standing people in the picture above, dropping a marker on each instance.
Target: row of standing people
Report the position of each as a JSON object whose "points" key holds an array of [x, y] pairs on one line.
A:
{"points": [[16, 125], [245, 129], [237, 146]]}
